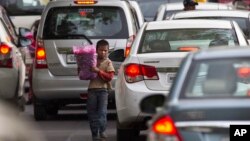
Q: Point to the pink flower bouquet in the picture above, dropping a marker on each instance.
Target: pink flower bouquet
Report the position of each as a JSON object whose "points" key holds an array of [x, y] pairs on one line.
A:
{"points": [[85, 59]]}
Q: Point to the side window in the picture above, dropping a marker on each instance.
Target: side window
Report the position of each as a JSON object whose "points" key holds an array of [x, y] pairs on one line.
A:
{"points": [[135, 18]]}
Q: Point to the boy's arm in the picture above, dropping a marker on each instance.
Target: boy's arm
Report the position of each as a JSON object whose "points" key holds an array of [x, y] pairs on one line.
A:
{"points": [[106, 76]]}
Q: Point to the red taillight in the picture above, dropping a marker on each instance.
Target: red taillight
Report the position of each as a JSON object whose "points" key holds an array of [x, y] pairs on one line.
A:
{"points": [[5, 56], [128, 45], [137, 72], [165, 126], [40, 61], [4, 49], [243, 72]]}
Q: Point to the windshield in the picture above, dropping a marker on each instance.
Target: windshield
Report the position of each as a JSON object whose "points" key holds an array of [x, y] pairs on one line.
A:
{"points": [[175, 40], [24, 7], [94, 22], [218, 78]]}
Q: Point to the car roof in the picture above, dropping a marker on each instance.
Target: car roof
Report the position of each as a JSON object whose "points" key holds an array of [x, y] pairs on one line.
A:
{"points": [[173, 24], [213, 13], [222, 52], [207, 5]]}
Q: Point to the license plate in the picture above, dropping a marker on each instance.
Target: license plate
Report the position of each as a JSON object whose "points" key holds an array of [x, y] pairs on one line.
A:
{"points": [[71, 58], [171, 77]]}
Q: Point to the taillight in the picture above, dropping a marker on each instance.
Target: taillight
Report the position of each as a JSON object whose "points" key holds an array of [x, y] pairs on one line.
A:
{"points": [[164, 128], [40, 59], [136, 72], [5, 56], [243, 72], [128, 45]]}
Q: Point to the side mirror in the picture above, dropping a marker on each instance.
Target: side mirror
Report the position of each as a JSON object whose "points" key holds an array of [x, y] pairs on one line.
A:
{"points": [[117, 55], [23, 42], [24, 32], [151, 103]]}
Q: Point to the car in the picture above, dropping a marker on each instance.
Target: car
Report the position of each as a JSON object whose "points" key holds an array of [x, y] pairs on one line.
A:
{"points": [[68, 23], [240, 16], [149, 7], [166, 10], [154, 59], [12, 66], [211, 93]]}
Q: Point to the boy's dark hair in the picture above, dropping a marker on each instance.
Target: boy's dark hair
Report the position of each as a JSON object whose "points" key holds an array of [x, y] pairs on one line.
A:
{"points": [[101, 43]]}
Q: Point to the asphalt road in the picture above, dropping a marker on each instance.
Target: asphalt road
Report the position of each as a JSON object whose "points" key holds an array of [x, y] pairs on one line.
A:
{"points": [[71, 125]]}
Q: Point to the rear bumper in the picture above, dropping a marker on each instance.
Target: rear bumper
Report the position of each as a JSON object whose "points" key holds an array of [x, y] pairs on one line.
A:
{"points": [[48, 87], [8, 84]]}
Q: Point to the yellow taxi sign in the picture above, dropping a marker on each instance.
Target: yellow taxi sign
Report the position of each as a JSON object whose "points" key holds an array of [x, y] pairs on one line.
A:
{"points": [[200, 0], [85, 2]]}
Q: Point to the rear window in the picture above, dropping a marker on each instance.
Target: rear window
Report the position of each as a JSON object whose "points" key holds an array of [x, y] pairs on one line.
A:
{"points": [[176, 40], [94, 22], [218, 78], [242, 22]]}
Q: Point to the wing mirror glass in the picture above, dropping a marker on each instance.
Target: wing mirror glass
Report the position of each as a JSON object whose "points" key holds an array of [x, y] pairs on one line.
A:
{"points": [[117, 55]]}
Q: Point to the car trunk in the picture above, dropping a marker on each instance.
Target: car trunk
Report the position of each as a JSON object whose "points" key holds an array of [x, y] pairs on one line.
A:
{"points": [[166, 65], [209, 120], [60, 58]]}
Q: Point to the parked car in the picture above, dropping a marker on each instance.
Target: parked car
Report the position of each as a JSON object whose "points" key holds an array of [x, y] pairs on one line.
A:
{"points": [[155, 57], [64, 24], [12, 67], [240, 16], [211, 92], [166, 10]]}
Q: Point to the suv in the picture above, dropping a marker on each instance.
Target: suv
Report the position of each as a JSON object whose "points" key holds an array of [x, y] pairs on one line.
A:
{"points": [[65, 23]]}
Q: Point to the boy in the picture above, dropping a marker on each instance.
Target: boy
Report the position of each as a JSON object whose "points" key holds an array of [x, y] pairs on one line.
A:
{"points": [[98, 92]]}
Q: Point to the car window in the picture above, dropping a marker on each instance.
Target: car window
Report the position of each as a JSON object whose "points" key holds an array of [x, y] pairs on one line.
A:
{"points": [[24, 7], [218, 78], [175, 40], [242, 22], [94, 22]]}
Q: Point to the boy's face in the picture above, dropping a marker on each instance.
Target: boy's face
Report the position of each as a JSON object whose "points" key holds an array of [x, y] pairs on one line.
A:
{"points": [[102, 51]]}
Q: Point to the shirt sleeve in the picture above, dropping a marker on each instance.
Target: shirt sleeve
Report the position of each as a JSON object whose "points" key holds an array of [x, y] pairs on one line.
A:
{"points": [[106, 76]]}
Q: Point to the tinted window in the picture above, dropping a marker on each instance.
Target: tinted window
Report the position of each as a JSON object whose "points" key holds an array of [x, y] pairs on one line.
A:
{"points": [[181, 39], [242, 22], [24, 7], [218, 78], [94, 22]]}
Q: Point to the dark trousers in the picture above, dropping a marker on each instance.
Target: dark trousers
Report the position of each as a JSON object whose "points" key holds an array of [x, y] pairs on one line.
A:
{"points": [[97, 103]]}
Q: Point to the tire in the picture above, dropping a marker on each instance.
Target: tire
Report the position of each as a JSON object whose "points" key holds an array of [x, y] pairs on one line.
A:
{"points": [[52, 111], [39, 112], [126, 134]]}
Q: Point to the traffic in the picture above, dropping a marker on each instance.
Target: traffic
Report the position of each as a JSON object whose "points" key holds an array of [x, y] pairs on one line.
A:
{"points": [[170, 70]]}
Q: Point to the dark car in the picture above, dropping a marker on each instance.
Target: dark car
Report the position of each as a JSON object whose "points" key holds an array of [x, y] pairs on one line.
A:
{"points": [[210, 93]]}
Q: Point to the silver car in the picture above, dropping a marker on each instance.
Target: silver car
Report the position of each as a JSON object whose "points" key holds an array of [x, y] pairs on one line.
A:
{"points": [[154, 60], [67, 23]]}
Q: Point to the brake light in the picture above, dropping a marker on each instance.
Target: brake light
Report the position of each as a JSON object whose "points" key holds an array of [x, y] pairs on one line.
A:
{"points": [[85, 2], [4, 49], [129, 44], [5, 56], [188, 48], [41, 62], [137, 72], [243, 72], [166, 127]]}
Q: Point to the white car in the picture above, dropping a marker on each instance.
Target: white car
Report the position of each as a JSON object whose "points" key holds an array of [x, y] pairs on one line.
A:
{"points": [[166, 10], [156, 54], [240, 16]]}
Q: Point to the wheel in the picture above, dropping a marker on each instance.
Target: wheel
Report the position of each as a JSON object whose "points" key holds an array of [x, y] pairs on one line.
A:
{"points": [[39, 112], [126, 134], [53, 111]]}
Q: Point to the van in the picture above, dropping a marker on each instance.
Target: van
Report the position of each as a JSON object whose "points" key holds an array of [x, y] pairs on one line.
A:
{"points": [[65, 23]]}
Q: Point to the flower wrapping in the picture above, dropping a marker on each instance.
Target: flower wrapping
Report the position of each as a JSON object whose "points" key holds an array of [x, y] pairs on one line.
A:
{"points": [[85, 59]]}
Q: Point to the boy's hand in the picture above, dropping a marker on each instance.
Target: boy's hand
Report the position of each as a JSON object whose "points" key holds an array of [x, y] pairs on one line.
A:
{"points": [[95, 69]]}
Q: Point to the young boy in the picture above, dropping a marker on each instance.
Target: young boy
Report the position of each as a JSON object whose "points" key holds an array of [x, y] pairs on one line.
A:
{"points": [[98, 92]]}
